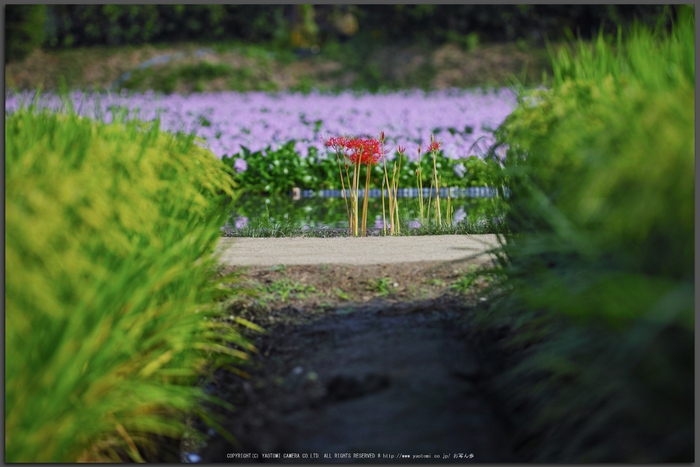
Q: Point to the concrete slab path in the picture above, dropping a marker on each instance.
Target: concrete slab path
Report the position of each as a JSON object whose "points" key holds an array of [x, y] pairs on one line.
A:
{"points": [[237, 251]]}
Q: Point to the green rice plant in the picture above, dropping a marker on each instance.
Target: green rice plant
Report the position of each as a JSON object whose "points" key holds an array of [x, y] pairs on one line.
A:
{"points": [[111, 300], [601, 169], [598, 263]]}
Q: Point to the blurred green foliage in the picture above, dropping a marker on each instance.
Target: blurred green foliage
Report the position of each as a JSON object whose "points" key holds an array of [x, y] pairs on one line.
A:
{"points": [[85, 25], [24, 30], [111, 305], [436, 23], [604, 161], [165, 79], [598, 266], [300, 25]]}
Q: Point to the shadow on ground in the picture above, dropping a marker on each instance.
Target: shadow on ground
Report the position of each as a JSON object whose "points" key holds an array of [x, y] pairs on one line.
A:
{"points": [[381, 379]]}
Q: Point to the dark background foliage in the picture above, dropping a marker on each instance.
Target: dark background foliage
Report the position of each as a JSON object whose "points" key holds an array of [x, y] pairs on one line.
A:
{"points": [[24, 30], [64, 26]]}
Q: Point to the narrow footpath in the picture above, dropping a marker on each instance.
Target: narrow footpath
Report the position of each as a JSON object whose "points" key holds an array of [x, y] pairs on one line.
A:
{"points": [[374, 376], [386, 382]]}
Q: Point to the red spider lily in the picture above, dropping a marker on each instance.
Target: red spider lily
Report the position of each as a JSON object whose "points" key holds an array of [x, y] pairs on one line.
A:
{"points": [[358, 151], [401, 150], [434, 146], [372, 152], [363, 151], [353, 149], [336, 142]]}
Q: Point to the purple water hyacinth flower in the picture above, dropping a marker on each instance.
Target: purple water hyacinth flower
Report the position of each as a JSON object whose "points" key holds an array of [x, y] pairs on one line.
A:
{"points": [[241, 222], [240, 165], [459, 216], [257, 120], [414, 224], [501, 152], [460, 170]]}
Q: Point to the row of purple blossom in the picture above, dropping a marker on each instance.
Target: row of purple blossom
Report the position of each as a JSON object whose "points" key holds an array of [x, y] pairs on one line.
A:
{"points": [[229, 121]]}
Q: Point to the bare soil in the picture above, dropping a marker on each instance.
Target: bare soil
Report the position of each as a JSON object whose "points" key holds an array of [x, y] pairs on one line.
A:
{"points": [[283, 291], [394, 359], [441, 67], [351, 367]]}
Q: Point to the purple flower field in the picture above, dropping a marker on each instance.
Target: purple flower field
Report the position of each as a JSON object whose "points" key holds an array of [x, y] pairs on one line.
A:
{"points": [[229, 121]]}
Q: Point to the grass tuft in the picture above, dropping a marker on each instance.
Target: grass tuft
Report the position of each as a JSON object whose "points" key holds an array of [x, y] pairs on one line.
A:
{"points": [[597, 269], [111, 287]]}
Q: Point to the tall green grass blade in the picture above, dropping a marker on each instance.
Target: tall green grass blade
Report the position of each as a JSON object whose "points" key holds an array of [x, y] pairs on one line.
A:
{"points": [[600, 241], [109, 298]]}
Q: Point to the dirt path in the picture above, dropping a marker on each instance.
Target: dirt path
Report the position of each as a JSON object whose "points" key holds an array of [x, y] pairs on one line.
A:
{"points": [[361, 359], [407, 362], [383, 380]]}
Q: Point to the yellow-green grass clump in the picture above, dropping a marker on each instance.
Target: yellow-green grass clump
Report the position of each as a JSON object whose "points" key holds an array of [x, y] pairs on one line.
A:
{"points": [[110, 293], [599, 261], [601, 170]]}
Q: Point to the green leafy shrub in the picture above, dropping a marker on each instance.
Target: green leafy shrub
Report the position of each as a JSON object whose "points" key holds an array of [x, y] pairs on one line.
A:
{"points": [[272, 171], [110, 301]]}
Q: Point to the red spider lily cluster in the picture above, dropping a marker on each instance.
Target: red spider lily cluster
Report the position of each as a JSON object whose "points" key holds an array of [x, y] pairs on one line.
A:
{"points": [[434, 146], [357, 150], [336, 142], [369, 151]]}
